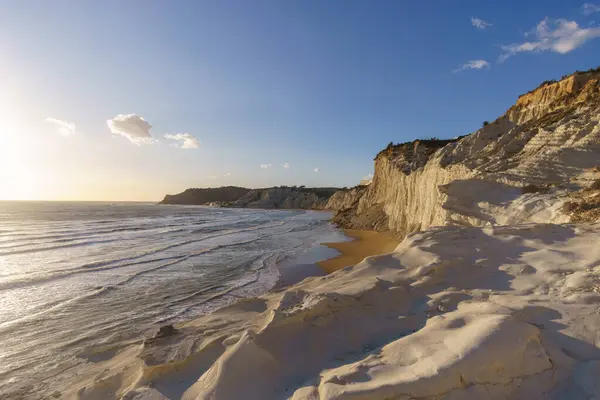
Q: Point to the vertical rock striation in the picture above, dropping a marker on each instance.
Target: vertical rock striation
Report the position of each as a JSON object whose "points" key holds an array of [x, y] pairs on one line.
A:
{"points": [[518, 168]]}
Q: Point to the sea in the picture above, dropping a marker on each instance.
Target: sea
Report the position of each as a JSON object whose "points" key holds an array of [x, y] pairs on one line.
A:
{"points": [[75, 276]]}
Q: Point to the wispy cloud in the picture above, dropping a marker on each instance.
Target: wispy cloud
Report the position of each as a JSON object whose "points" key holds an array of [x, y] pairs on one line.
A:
{"points": [[316, 170], [266, 166], [473, 64], [132, 127], [479, 23], [560, 36], [369, 176], [589, 8], [286, 165], [63, 127], [227, 174], [187, 140]]}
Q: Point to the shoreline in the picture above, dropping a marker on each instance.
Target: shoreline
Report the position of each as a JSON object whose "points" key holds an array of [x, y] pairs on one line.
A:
{"points": [[353, 246], [306, 265], [364, 244], [336, 323]]}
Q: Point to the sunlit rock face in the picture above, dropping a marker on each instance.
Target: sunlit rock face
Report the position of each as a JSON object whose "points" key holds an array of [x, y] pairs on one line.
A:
{"points": [[518, 168]]}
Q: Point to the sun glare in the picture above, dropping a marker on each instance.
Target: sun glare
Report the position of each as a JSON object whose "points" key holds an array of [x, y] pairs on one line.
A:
{"points": [[17, 181]]}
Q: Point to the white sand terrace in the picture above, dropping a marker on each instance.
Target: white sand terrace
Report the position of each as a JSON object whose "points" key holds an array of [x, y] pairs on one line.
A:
{"points": [[453, 313]]}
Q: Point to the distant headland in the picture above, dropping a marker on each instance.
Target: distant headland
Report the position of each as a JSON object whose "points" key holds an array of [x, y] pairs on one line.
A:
{"points": [[278, 197]]}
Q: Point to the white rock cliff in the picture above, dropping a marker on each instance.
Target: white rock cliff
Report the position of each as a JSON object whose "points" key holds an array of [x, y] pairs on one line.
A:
{"points": [[550, 139]]}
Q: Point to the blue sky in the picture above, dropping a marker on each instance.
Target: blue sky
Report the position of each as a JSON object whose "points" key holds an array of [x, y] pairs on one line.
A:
{"points": [[314, 84]]}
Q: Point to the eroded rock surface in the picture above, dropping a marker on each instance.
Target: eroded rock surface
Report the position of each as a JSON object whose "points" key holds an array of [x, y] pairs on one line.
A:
{"points": [[550, 139]]}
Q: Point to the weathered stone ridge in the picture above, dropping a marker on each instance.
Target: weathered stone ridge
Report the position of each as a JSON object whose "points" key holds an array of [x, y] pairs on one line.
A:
{"points": [[549, 139]]}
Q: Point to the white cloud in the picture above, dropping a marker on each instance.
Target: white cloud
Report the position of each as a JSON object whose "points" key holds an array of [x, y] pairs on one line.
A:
{"points": [[286, 165], [133, 127], [316, 169], [560, 36], [212, 177], [228, 174], [368, 177], [589, 8], [63, 127], [473, 64], [187, 140], [479, 23], [266, 166]]}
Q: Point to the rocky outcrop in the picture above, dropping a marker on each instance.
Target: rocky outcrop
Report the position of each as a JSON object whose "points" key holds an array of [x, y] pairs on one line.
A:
{"points": [[196, 196], [345, 198], [269, 198], [550, 139]]}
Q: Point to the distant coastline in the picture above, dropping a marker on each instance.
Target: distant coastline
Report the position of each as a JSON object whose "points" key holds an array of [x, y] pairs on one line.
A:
{"points": [[278, 197]]}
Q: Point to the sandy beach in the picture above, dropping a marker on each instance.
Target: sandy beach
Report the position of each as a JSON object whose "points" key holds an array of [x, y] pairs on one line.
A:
{"points": [[364, 244]]}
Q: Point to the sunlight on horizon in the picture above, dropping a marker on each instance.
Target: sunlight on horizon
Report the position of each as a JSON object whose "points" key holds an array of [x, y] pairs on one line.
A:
{"points": [[17, 178]]}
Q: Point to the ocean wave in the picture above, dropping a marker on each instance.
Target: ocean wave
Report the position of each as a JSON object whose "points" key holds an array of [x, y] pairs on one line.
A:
{"points": [[87, 234], [98, 291], [13, 324], [37, 250], [207, 300], [94, 240], [105, 266]]}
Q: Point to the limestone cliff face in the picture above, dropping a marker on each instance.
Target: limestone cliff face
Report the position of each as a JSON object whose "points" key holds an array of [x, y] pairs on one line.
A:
{"points": [[518, 168], [553, 96], [345, 198]]}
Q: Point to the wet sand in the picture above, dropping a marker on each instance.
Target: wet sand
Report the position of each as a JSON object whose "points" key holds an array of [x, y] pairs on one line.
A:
{"points": [[365, 244]]}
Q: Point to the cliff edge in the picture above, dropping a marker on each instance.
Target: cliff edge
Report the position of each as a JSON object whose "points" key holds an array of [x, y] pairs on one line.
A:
{"points": [[522, 167]]}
